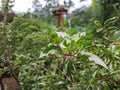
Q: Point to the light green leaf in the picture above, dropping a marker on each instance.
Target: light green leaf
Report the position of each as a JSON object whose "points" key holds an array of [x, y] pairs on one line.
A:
{"points": [[52, 52], [59, 83], [62, 46], [95, 58], [99, 30], [98, 24], [64, 35], [77, 36], [42, 55]]}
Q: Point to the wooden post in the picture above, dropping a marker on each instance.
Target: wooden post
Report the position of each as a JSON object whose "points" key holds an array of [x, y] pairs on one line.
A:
{"points": [[60, 20], [60, 11]]}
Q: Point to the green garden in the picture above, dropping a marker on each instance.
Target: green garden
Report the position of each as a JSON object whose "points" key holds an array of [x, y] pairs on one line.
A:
{"points": [[41, 56]]}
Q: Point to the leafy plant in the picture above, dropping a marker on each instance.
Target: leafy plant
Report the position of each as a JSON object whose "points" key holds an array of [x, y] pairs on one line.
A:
{"points": [[72, 62], [28, 35], [106, 30], [67, 61]]}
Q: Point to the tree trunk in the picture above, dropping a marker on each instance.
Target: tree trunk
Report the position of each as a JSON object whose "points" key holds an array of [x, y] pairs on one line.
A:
{"points": [[5, 42]]}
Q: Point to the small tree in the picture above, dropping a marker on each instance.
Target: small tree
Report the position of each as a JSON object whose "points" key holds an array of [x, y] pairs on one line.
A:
{"points": [[5, 42]]}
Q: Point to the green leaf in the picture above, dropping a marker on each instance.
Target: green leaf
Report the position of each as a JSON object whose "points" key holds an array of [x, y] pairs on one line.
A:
{"points": [[109, 21], [95, 58], [111, 28], [20, 59], [99, 30], [52, 46], [23, 58], [3, 70], [98, 24], [1, 25], [69, 68], [59, 83]]}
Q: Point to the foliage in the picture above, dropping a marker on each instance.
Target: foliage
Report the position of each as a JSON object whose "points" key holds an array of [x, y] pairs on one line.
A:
{"points": [[107, 29], [28, 35], [81, 58], [106, 9], [72, 62], [81, 16]]}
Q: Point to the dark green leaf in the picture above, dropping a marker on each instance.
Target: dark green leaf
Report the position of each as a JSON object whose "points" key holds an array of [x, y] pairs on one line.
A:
{"points": [[109, 21]]}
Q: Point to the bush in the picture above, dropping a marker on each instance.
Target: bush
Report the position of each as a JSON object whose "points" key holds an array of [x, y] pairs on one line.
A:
{"points": [[28, 35]]}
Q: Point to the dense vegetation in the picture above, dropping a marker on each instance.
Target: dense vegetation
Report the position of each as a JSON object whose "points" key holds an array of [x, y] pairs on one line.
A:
{"points": [[83, 57]]}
